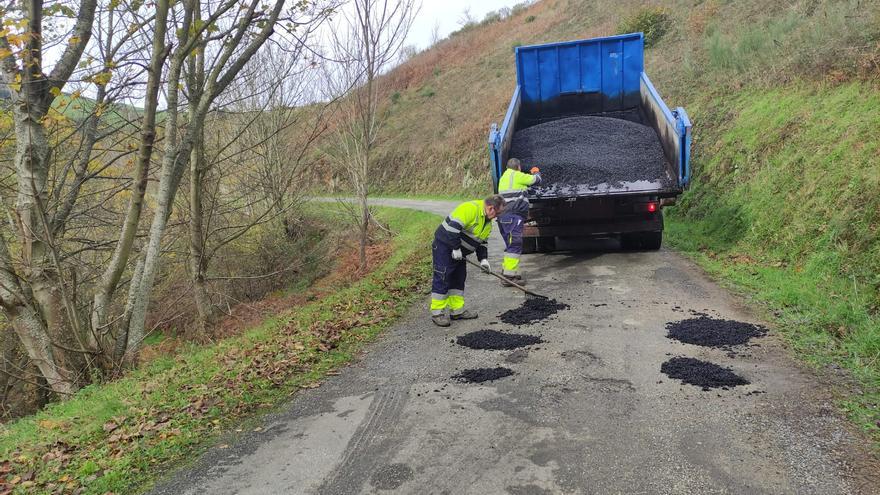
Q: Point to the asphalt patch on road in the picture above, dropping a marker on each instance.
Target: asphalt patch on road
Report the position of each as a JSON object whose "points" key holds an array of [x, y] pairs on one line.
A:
{"points": [[531, 311], [480, 375], [497, 341], [586, 152], [713, 332], [391, 477], [703, 374]]}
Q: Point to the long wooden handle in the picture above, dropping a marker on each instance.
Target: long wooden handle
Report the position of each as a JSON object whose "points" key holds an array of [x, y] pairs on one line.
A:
{"points": [[502, 277]]}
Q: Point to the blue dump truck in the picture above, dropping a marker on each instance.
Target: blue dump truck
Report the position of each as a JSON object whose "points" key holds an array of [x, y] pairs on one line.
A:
{"points": [[611, 152]]}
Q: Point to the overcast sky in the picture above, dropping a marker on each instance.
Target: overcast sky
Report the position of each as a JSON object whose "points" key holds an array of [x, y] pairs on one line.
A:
{"points": [[447, 14]]}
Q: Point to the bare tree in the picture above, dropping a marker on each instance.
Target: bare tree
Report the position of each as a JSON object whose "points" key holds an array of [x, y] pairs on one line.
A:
{"points": [[466, 18], [32, 294], [435, 33], [263, 122], [371, 34], [223, 36]]}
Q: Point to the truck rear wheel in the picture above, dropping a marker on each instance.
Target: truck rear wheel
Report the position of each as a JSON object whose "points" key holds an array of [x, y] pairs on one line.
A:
{"points": [[641, 241], [546, 244], [539, 245]]}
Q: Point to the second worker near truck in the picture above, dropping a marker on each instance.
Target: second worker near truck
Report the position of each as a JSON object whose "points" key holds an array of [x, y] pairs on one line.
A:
{"points": [[512, 186]]}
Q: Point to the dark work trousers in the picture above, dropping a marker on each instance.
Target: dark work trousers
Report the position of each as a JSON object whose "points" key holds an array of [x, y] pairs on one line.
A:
{"points": [[511, 227], [447, 286]]}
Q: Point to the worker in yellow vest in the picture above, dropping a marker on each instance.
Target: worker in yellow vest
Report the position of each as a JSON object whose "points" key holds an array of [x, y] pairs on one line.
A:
{"points": [[513, 186], [466, 230]]}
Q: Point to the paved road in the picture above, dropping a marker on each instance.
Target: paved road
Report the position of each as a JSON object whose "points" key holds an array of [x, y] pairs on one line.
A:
{"points": [[587, 412]]}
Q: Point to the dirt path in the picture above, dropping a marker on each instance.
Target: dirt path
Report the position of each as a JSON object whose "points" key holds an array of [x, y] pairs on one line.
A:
{"points": [[586, 411]]}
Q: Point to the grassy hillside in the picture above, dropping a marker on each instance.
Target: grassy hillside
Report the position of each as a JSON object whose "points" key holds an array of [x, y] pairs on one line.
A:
{"points": [[785, 99]]}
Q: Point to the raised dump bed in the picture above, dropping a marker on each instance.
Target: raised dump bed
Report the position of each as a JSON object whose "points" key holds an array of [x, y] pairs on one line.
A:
{"points": [[611, 152]]}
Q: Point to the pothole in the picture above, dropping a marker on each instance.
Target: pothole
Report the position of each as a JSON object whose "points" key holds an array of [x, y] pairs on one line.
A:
{"points": [[480, 375], [532, 310], [495, 340], [703, 374], [713, 332]]}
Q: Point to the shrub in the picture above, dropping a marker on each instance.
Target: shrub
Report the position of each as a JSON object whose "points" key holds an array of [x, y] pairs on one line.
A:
{"points": [[530, 18], [520, 7], [395, 97], [654, 22], [427, 92], [491, 17]]}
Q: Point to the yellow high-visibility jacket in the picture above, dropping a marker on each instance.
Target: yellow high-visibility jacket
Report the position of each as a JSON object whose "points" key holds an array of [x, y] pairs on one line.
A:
{"points": [[466, 228]]}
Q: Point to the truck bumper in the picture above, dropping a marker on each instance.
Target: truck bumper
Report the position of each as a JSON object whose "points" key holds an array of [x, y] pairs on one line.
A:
{"points": [[592, 229]]}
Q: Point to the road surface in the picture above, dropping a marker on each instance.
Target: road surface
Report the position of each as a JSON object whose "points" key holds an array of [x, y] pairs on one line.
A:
{"points": [[586, 412]]}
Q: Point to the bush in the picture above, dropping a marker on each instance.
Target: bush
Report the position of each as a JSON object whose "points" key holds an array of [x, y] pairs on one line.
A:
{"points": [[654, 22], [427, 92], [520, 7], [395, 97], [491, 17], [530, 18]]}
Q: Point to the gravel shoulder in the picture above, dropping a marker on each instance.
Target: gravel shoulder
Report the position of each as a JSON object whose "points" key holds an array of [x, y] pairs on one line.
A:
{"points": [[586, 411]]}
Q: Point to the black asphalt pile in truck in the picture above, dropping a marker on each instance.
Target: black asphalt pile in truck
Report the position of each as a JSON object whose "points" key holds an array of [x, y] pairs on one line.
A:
{"points": [[589, 152]]}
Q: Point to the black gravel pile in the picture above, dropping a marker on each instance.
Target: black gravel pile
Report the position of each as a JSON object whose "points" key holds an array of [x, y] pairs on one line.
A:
{"points": [[532, 310], [581, 153], [495, 340], [701, 373], [713, 332], [481, 375]]}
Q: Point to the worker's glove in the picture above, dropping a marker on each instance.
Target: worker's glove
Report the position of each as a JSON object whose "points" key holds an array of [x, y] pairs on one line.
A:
{"points": [[456, 255], [534, 170], [484, 264]]}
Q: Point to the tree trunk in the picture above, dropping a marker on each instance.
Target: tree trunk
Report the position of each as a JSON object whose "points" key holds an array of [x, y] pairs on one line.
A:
{"points": [[197, 260], [39, 320], [364, 228], [168, 182], [122, 252]]}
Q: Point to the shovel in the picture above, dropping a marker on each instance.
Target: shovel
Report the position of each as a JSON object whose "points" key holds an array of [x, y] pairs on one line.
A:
{"points": [[511, 282]]}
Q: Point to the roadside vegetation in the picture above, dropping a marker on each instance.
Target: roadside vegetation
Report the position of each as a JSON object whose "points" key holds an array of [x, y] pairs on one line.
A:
{"points": [[118, 436]]}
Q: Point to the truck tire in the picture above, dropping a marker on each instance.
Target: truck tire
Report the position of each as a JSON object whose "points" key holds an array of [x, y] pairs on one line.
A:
{"points": [[546, 244], [641, 241], [651, 241]]}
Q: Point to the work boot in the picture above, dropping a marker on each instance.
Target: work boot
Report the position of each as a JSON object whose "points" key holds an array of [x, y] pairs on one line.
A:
{"points": [[441, 320], [513, 278], [465, 315]]}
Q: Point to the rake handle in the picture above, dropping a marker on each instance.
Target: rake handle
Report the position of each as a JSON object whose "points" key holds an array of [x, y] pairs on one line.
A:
{"points": [[502, 277]]}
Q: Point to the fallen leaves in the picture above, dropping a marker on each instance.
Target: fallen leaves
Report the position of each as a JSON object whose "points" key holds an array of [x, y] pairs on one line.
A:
{"points": [[172, 413]]}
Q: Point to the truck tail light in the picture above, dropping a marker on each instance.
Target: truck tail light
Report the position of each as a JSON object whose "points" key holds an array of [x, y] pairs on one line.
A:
{"points": [[652, 207]]}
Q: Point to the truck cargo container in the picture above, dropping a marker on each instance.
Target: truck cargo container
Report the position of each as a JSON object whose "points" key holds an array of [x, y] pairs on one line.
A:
{"points": [[599, 77]]}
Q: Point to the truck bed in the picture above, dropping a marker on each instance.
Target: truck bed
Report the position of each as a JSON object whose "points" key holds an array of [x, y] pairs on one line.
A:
{"points": [[596, 78], [613, 153]]}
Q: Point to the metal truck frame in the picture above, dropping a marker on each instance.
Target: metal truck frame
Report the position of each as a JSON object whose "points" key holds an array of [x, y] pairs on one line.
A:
{"points": [[602, 77]]}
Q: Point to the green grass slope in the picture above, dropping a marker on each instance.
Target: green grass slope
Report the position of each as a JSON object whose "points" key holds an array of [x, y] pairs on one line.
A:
{"points": [[785, 100]]}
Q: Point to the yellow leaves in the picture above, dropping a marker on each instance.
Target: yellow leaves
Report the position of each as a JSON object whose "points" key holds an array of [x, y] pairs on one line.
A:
{"points": [[18, 40], [102, 78], [52, 424], [5, 52], [56, 92], [73, 40], [15, 85]]}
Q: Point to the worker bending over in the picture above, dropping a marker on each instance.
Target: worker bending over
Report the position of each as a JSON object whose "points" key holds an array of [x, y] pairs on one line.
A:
{"points": [[463, 232], [512, 187]]}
